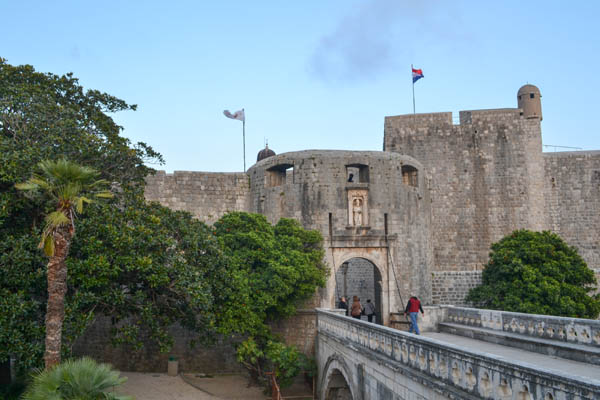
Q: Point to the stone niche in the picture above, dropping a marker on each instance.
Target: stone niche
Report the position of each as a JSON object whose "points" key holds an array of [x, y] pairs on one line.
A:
{"points": [[358, 207]]}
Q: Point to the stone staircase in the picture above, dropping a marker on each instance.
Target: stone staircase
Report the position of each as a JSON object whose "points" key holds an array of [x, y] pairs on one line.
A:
{"points": [[399, 321]]}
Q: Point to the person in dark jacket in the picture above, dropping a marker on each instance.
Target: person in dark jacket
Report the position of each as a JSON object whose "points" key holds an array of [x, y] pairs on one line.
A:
{"points": [[370, 310], [342, 304], [412, 308]]}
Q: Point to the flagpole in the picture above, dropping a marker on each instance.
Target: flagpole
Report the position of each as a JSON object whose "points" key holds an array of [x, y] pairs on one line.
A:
{"points": [[244, 137], [413, 83]]}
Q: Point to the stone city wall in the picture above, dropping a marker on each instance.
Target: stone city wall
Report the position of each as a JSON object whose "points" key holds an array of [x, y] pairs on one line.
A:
{"points": [[572, 194], [207, 195], [485, 174], [95, 342], [452, 287]]}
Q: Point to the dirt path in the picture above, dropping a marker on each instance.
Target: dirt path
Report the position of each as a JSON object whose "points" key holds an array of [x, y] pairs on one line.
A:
{"points": [[153, 386]]}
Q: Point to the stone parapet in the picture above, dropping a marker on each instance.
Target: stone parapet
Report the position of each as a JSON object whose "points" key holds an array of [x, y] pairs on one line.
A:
{"points": [[572, 330]]}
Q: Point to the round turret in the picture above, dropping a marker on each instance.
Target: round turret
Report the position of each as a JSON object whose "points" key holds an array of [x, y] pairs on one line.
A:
{"points": [[265, 153], [529, 100]]}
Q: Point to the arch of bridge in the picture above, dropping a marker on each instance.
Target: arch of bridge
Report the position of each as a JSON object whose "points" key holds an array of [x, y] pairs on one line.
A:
{"points": [[336, 364]]}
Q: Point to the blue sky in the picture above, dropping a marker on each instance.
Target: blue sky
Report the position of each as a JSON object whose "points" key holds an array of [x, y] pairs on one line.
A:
{"points": [[311, 74]]}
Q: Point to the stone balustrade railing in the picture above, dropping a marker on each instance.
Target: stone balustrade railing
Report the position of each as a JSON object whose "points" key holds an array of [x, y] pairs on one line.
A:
{"points": [[571, 330], [452, 370]]}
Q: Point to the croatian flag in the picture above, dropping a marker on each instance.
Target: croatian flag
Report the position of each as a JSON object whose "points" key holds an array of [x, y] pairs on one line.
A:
{"points": [[417, 74]]}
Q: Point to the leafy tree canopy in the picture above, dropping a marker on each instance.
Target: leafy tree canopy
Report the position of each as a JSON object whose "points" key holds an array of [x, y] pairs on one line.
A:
{"points": [[158, 258], [537, 273], [274, 269], [44, 116]]}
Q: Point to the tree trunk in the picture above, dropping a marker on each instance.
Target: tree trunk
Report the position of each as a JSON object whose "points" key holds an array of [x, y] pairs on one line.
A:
{"points": [[57, 288]]}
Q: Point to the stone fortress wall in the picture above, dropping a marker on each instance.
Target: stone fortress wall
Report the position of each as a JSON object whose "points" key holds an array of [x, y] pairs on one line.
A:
{"points": [[206, 195], [488, 176], [474, 182], [423, 212], [572, 200]]}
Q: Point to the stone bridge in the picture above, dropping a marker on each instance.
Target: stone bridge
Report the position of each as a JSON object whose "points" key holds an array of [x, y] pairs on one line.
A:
{"points": [[464, 354]]}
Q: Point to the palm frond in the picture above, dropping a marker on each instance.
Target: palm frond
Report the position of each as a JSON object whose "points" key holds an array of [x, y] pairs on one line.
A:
{"points": [[26, 186], [56, 219], [47, 244], [74, 380], [105, 194]]}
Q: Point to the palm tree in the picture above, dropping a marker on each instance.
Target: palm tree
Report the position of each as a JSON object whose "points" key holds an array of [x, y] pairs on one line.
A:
{"points": [[66, 184]]}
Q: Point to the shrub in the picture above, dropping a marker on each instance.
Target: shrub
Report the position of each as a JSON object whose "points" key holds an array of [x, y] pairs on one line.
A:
{"points": [[537, 273], [76, 380]]}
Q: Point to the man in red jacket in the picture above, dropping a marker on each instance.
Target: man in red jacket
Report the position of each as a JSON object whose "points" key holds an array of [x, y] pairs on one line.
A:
{"points": [[412, 308]]}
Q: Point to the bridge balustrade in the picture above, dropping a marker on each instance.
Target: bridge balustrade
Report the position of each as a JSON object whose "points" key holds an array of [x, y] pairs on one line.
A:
{"points": [[571, 330], [447, 371]]}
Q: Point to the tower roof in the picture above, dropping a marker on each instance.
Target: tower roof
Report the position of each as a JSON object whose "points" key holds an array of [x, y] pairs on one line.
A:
{"points": [[264, 153], [528, 89]]}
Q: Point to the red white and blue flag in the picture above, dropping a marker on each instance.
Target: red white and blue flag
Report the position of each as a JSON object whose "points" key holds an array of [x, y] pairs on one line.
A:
{"points": [[417, 74]]}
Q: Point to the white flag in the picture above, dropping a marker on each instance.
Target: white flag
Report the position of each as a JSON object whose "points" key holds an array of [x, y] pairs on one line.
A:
{"points": [[239, 115]]}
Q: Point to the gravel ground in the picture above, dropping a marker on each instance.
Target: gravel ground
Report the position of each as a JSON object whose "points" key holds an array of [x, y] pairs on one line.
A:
{"points": [[152, 386]]}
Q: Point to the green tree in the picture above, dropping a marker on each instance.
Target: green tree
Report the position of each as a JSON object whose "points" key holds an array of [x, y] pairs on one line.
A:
{"points": [[274, 269], [47, 116], [75, 380], [148, 268], [68, 186], [537, 273]]}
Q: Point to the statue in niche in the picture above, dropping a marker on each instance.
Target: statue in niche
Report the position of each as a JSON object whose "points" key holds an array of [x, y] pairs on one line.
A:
{"points": [[357, 211]]}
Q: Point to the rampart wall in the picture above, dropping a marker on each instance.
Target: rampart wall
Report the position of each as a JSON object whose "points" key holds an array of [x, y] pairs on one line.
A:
{"points": [[207, 195], [485, 175], [572, 200]]}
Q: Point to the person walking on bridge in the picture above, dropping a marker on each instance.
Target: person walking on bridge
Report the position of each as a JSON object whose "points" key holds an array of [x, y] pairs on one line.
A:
{"points": [[370, 310], [356, 310], [412, 308]]}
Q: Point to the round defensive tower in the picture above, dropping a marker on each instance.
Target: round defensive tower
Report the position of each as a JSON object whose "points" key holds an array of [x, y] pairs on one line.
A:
{"points": [[373, 210], [529, 99]]}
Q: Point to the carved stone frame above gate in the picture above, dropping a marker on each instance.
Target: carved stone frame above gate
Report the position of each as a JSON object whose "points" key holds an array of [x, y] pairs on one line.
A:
{"points": [[358, 207]]}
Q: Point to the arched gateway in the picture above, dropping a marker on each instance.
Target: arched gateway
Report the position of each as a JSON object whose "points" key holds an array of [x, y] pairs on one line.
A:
{"points": [[362, 278]]}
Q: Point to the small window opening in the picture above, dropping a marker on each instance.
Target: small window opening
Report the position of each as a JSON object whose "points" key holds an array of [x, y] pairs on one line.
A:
{"points": [[357, 173], [280, 175], [519, 97], [531, 95], [385, 223], [410, 176], [289, 175]]}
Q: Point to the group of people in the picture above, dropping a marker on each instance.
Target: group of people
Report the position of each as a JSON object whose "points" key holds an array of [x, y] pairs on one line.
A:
{"points": [[356, 310]]}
